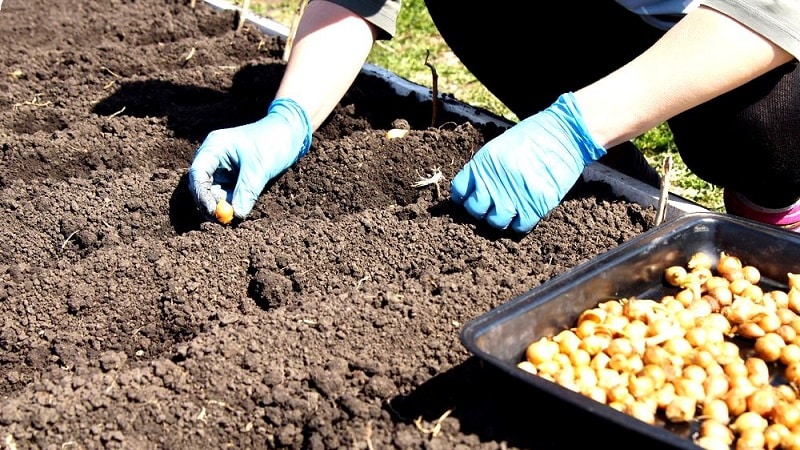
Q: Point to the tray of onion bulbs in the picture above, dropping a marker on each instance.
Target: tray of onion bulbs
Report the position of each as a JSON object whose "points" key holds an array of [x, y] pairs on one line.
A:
{"points": [[688, 335]]}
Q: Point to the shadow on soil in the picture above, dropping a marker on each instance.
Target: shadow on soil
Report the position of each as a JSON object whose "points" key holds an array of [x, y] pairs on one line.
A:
{"points": [[497, 407]]}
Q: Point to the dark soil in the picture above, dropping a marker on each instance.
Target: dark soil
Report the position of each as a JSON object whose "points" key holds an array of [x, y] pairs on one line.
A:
{"points": [[329, 319]]}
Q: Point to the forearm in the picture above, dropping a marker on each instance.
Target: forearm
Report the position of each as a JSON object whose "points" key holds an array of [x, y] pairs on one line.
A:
{"points": [[329, 51], [705, 55]]}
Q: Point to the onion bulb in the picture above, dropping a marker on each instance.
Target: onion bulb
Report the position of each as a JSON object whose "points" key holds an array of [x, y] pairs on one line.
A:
{"points": [[224, 212]]}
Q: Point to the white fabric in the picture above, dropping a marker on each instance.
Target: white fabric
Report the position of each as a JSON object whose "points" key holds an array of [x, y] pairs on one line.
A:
{"points": [[777, 20], [648, 9]]}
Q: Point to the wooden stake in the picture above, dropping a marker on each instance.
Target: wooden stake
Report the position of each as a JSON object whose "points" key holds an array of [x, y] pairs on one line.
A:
{"points": [[243, 14], [287, 50], [435, 89], [193, 3], [663, 198]]}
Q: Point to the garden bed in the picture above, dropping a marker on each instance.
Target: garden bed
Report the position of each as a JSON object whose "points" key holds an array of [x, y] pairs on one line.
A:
{"points": [[330, 318]]}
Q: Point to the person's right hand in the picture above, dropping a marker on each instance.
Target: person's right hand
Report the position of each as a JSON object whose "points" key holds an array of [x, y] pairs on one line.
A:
{"points": [[236, 164], [520, 176]]}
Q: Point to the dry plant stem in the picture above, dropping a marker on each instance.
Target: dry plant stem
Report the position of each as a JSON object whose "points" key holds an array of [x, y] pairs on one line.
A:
{"points": [[301, 7], [32, 103], [66, 241], [436, 428], [243, 14], [117, 113], [435, 89], [113, 74], [189, 56], [434, 179], [369, 435], [193, 3], [662, 199]]}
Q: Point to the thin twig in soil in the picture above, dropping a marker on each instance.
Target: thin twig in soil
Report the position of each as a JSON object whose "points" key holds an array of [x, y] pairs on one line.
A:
{"points": [[190, 55], [435, 91], [201, 416], [64, 244], [437, 426], [664, 194], [34, 103], [113, 74], [243, 14], [366, 277], [220, 403], [112, 82], [369, 435], [117, 113], [287, 50]]}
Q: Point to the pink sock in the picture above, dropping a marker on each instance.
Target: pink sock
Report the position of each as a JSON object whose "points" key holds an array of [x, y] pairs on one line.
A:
{"points": [[737, 204]]}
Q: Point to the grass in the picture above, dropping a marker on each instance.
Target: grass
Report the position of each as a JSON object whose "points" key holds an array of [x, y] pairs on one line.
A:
{"points": [[417, 37]]}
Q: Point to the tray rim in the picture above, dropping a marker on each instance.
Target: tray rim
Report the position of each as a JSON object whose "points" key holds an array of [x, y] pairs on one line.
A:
{"points": [[583, 271]]}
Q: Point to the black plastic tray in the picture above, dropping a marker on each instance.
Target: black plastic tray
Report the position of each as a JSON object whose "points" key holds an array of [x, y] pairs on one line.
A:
{"points": [[633, 269]]}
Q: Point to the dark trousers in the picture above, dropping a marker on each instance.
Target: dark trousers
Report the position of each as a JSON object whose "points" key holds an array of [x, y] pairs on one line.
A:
{"points": [[747, 140]]}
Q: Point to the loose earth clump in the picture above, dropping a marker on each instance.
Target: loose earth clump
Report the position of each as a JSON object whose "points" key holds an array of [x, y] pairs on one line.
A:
{"points": [[330, 318]]}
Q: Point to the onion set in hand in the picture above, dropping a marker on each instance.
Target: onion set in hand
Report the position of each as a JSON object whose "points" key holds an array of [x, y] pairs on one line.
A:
{"points": [[224, 212]]}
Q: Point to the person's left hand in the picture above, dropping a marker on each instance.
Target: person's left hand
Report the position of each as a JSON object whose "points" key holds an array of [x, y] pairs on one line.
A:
{"points": [[520, 176]]}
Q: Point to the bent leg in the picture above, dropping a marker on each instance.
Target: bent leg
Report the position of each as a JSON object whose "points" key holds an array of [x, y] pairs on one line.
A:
{"points": [[748, 140]]}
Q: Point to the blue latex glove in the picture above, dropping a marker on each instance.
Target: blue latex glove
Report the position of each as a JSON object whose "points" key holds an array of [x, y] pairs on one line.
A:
{"points": [[520, 176], [249, 156]]}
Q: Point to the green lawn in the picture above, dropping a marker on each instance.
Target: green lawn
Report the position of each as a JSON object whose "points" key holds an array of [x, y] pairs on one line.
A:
{"points": [[417, 37]]}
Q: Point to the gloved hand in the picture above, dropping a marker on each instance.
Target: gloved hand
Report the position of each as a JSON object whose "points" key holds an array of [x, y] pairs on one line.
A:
{"points": [[521, 175], [249, 156]]}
